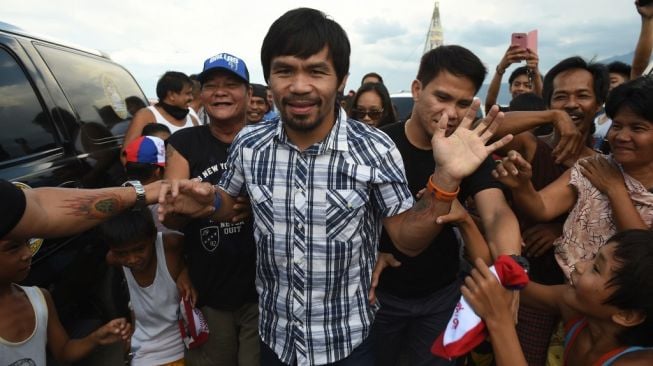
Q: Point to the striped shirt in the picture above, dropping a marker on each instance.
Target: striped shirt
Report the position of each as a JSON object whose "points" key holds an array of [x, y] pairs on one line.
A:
{"points": [[317, 218]]}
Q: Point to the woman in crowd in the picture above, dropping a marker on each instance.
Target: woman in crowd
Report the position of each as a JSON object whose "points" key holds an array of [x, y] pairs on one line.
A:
{"points": [[373, 106]]}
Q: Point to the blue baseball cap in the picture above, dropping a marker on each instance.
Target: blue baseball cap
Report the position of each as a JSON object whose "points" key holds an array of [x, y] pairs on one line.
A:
{"points": [[224, 61]]}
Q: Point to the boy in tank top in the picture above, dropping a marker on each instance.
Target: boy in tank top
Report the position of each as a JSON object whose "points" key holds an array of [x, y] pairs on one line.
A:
{"points": [[29, 320], [155, 273]]}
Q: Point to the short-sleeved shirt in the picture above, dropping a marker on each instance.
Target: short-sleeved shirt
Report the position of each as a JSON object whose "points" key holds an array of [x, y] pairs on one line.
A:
{"points": [[317, 221], [591, 223], [438, 265], [221, 256], [13, 206]]}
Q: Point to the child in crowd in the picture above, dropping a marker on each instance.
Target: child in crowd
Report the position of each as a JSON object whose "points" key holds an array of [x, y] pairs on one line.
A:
{"points": [[145, 160], [29, 320], [157, 130], [155, 273], [607, 306]]}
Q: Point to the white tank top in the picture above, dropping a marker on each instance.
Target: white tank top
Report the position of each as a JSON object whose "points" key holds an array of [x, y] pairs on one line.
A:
{"points": [[156, 339], [31, 351], [173, 128]]}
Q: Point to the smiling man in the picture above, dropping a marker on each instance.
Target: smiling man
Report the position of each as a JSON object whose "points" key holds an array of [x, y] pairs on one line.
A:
{"points": [[221, 256], [321, 185]]}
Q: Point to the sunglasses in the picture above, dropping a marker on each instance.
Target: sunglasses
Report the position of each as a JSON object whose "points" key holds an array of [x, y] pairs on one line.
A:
{"points": [[361, 113]]}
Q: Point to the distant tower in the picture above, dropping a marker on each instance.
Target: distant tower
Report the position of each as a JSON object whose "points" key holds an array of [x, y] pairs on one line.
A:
{"points": [[434, 36]]}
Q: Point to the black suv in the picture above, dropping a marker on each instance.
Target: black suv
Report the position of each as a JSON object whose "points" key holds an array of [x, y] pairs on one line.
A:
{"points": [[63, 114]]}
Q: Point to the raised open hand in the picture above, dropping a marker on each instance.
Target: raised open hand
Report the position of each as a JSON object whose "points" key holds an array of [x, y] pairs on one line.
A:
{"points": [[461, 153]]}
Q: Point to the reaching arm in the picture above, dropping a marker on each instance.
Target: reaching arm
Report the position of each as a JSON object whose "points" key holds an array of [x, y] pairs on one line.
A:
{"points": [[607, 178], [56, 212], [552, 201], [570, 142], [500, 224], [456, 157], [69, 350], [475, 244], [644, 42]]}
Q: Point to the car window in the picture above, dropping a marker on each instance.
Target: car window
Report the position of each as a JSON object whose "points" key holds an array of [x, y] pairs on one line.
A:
{"points": [[26, 127], [403, 106], [95, 87]]}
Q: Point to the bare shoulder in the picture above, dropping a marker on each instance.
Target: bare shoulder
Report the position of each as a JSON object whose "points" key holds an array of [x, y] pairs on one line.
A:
{"points": [[642, 357]]}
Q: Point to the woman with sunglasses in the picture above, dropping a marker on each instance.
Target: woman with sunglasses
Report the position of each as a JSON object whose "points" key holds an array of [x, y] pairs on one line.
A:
{"points": [[372, 105]]}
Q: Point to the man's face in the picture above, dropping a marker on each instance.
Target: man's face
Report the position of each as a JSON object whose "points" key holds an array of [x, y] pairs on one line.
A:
{"points": [[256, 109], [616, 79], [225, 96], [181, 99], [445, 94], [304, 90], [520, 85], [573, 92]]}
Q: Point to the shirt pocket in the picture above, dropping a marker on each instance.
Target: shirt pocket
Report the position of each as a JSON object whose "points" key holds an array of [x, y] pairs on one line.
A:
{"points": [[261, 199], [345, 213]]}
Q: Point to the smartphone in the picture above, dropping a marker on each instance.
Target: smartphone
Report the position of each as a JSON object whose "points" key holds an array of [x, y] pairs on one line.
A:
{"points": [[526, 40], [519, 39]]}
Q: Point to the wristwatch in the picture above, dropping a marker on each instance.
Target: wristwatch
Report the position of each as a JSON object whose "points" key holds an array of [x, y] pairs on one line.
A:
{"points": [[140, 194]]}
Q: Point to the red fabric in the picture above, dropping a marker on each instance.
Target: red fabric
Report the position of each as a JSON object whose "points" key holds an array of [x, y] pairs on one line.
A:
{"points": [[511, 275]]}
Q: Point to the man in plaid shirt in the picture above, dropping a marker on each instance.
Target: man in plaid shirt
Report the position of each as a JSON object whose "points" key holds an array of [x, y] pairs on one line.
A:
{"points": [[321, 185]]}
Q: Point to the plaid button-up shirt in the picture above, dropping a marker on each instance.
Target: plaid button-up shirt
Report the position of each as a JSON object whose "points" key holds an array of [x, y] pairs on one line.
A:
{"points": [[317, 216]]}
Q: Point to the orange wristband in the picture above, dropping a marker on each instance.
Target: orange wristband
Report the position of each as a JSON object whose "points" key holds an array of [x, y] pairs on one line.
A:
{"points": [[441, 195]]}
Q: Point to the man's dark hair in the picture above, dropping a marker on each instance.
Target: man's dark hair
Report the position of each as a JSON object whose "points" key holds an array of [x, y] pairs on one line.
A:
{"points": [[380, 89], [372, 74], [143, 172], [636, 94], [632, 282], [620, 68], [151, 129], [171, 81], [128, 227], [522, 70], [527, 102], [304, 32], [599, 73], [453, 59], [260, 91]]}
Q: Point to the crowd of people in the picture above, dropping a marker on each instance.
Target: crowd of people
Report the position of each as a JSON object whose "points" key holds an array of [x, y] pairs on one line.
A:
{"points": [[306, 227]]}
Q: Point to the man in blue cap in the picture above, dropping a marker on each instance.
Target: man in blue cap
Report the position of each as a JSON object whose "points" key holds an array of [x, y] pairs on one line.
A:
{"points": [[221, 257]]}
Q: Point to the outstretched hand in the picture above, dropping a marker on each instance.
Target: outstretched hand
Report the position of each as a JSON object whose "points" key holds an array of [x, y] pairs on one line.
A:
{"points": [[461, 153], [186, 197], [113, 331]]}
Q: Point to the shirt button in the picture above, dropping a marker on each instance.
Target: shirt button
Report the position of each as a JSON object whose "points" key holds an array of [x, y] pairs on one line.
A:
{"points": [[300, 226]]}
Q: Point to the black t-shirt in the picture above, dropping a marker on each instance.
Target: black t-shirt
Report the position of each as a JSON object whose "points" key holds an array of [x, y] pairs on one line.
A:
{"points": [[13, 206], [437, 266], [221, 256]]}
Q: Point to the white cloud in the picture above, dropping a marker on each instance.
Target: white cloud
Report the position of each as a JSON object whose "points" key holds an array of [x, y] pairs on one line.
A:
{"points": [[149, 37]]}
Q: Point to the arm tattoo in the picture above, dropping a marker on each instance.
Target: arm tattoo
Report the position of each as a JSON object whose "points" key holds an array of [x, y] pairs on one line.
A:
{"points": [[93, 206], [424, 203]]}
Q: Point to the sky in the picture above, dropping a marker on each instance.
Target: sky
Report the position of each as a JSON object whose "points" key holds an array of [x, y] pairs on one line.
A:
{"points": [[387, 36]]}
